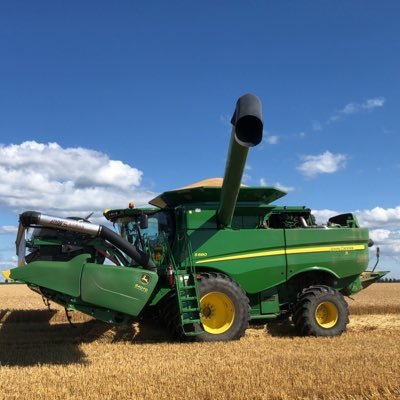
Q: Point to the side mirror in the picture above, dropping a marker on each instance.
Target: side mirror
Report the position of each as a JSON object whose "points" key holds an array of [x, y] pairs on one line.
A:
{"points": [[144, 221]]}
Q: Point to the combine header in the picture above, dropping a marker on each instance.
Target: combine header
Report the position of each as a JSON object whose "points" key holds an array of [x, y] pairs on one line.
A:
{"points": [[207, 259]]}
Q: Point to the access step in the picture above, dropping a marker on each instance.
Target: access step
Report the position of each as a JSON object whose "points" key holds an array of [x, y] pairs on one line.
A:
{"points": [[189, 309]]}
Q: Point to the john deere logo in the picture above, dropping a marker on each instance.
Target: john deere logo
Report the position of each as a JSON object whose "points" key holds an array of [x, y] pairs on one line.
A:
{"points": [[145, 278]]}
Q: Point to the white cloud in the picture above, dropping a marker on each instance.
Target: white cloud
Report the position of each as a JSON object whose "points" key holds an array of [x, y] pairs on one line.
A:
{"points": [[316, 126], [7, 259], [379, 217], [322, 216], [351, 108], [388, 241], [246, 178], [47, 177], [83, 167], [370, 104], [325, 163], [272, 139], [225, 119], [277, 185], [7, 229], [334, 118], [393, 242], [354, 108], [379, 235]]}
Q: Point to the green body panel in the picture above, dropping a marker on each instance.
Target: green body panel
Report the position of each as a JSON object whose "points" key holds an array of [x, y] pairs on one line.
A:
{"points": [[342, 251], [64, 277], [198, 218], [203, 216], [77, 304], [122, 289], [355, 286], [269, 301], [242, 255], [118, 288], [259, 259]]}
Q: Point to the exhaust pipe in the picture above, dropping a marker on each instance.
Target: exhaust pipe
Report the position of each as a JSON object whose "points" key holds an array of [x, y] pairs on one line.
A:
{"points": [[29, 218]]}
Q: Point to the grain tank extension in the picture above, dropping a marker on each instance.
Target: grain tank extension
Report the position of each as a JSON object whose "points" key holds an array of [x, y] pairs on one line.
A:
{"points": [[206, 259]]}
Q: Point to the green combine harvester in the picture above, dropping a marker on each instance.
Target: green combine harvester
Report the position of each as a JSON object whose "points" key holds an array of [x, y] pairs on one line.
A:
{"points": [[206, 259]]}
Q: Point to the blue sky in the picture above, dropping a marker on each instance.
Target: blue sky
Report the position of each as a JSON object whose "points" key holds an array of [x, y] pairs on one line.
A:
{"points": [[104, 102]]}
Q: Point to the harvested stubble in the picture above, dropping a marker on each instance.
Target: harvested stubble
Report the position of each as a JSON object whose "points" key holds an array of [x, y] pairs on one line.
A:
{"points": [[46, 359]]}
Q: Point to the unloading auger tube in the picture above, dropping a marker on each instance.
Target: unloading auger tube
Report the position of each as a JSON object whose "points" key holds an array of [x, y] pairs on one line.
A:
{"points": [[36, 218], [247, 130]]}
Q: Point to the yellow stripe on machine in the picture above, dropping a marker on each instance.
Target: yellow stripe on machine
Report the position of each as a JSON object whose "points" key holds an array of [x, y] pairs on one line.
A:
{"points": [[300, 250], [322, 249]]}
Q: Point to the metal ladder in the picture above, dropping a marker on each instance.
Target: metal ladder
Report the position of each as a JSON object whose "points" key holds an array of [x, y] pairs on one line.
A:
{"points": [[187, 294]]}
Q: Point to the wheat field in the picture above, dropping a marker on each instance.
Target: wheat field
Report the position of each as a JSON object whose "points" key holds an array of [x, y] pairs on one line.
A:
{"points": [[42, 357]]}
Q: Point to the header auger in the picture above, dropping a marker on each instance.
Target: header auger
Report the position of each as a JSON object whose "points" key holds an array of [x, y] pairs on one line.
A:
{"points": [[207, 259]]}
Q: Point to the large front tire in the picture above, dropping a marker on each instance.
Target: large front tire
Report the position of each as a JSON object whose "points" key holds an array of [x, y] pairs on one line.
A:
{"points": [[320, 311], [225, 311]]}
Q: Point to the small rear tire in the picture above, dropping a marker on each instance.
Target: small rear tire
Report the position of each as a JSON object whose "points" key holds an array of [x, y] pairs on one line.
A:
{"points": [[320, 311]]}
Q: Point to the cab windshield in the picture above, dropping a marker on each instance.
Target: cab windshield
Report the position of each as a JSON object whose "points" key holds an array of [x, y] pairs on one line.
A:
{"points": [[155, 239]]}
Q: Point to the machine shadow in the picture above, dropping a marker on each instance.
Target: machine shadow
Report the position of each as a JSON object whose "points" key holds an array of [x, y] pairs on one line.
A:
{"points": [[27, 337], [31, 337], [280, 328]]}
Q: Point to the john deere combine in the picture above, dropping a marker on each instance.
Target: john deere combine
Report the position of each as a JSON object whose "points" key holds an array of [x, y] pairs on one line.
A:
{"points": [[207, 259]]}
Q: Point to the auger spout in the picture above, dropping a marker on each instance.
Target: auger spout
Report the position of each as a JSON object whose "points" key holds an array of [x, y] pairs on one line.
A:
{"points": [[247, 131]]}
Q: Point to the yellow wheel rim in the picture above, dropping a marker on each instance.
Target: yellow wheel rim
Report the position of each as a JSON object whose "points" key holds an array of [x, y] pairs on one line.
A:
{"points": [[326, 314], [217, 312]]}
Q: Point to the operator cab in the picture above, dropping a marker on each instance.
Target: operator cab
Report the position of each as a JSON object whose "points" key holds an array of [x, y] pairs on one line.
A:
{"points": [[150, 230]]}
